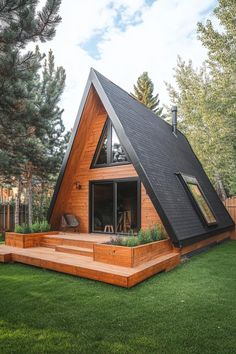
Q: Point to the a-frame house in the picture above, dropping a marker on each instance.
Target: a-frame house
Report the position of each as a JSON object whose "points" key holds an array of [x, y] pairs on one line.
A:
{"points": [[126, 169]]}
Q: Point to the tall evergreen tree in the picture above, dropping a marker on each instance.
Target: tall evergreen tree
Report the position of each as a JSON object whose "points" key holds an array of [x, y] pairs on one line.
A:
{"points": [[20, 24], [143, 91], [31, 130], [44, 148]]}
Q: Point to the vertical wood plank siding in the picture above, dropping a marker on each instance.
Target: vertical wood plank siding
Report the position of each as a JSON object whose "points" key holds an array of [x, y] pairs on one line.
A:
{"points": [[230, 204]]}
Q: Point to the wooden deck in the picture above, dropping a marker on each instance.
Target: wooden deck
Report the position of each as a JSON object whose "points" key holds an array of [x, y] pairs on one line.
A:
{"points": [[73, 254]]}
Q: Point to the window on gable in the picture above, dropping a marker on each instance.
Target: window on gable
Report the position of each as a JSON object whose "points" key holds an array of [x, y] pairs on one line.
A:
{"points": [[199, 199], [109, 151], [102, 153], [118, 154]]}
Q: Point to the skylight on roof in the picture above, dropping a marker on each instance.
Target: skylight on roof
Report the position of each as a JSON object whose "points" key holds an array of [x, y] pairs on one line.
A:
{"points": [[199, 199]]}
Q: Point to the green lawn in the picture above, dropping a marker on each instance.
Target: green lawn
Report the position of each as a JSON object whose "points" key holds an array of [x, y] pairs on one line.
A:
{"points": [[191, 309]]}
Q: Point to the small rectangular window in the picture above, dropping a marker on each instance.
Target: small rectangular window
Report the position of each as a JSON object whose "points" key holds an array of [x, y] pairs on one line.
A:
{"points": [[199, 199]]}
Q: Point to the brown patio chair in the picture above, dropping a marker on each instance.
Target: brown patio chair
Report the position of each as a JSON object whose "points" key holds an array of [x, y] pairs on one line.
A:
{"points": [[70, 221]]}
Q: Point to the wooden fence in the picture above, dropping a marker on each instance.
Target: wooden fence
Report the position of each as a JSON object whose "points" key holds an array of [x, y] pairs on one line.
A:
{"points": [[230, 204], [7, 216]]}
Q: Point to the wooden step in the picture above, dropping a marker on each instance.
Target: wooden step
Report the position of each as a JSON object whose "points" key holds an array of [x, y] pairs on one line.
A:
{"points": [[53, 241], [5, 256], [82, 251], [47, 245]]}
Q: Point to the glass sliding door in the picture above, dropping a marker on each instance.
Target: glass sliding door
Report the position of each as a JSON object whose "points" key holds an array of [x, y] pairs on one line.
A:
{"points": [[115, 206], [127, 207], [103, 207]]}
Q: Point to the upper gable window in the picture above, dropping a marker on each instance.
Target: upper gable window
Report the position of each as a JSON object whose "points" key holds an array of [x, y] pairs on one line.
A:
{"points": [[102, 154], [118, 154], [109, 151], [199, 199]]}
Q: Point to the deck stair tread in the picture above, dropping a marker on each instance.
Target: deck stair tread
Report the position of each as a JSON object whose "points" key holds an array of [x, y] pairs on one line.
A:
{"points": [[52, 241], [75, 249], [5, 254], [5, 250]]}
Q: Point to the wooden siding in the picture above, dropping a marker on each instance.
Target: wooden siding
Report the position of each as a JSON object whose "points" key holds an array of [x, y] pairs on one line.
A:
{"points": [[76, 201], [131, 256], [25, 240], [204, 243], [230, 204]]}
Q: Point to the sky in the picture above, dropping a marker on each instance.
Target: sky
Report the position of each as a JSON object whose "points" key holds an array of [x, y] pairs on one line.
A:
{"points": [[122, 39]]}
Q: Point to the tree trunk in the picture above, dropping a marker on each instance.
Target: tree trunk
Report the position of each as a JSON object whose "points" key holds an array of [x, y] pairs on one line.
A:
{"points": [[17, 205], [30, 213], [41, 202], [220, 187]]}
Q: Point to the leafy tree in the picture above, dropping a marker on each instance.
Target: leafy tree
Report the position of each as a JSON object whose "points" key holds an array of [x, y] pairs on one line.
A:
{"points": [[143, 91], [221, 45], [202, 123], [207, 102]]}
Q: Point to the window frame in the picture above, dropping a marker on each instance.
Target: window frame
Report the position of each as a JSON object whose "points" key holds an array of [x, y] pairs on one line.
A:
{"points": [[115, 183], [185, 179], [107, 126]]}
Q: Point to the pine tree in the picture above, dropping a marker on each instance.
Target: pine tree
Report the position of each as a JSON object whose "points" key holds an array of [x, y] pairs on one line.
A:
{"points": [[21, 121], [45, 147], [20, 25], [143, 91]]}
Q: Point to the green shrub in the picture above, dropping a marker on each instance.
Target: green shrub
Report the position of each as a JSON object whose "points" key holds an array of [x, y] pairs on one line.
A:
{"points": [[23, 229], [144, 236], [42, 226], [19, 229], [153, 234], [156, 234], [132, 241], [36, 227]]}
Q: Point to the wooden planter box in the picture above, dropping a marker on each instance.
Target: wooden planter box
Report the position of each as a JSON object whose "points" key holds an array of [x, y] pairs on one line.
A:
{"points": [[130, 256], [26, 240]]}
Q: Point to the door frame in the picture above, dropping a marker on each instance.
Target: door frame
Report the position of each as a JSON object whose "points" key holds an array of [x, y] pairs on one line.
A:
{"points": [[114, 182]]}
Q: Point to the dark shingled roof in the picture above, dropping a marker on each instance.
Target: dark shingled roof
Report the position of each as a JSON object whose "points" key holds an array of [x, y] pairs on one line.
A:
{"points": [[157, 155]]}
